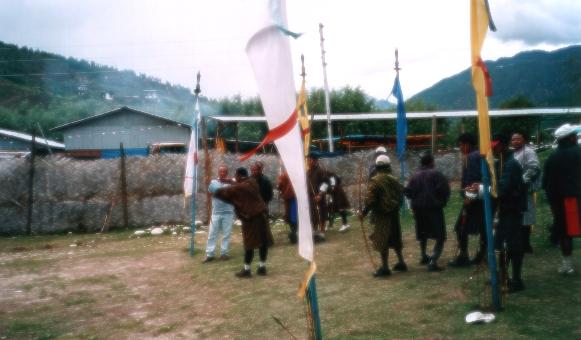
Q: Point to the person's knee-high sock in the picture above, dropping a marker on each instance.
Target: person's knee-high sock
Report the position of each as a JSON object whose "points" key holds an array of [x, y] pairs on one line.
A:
{"points": [[248, 256], [263, 253], [438, 248], [423, 246], [344, 217], [463, 243], [384, 257], [566, 246], [516, 262], [399, 254], [526, 235]]}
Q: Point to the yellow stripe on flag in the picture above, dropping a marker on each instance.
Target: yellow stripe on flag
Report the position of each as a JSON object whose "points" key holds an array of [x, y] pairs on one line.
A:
{"points": [[304, 118], [478, 27]]}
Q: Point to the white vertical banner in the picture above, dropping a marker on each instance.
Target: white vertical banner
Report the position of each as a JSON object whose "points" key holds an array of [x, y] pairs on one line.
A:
{"points": [[270, 56], [192, 159]]}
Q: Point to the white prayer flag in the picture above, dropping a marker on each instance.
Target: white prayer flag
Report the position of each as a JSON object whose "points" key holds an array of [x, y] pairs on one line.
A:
{"points": [[270, 56]]}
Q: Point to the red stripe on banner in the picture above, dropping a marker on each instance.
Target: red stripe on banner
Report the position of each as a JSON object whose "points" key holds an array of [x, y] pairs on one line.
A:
{"points": [[274, 134], [572, 217], [487, 77]]}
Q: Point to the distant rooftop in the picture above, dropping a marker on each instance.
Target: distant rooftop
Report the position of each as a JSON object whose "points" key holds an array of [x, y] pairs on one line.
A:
{"points": [[28, 138]]}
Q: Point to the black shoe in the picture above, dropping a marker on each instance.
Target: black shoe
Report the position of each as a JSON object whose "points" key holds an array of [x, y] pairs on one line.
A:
{"points": [[208, 259], [460, 261], [400, 267], [261, 271], [515, 286], [478, 259], [319, 238], [382, 272], [244, 273], [425, 260], [433, 267]]}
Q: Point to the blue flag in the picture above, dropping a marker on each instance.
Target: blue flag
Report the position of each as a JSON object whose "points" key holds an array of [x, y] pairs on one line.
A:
{"points": [[401, 122]]}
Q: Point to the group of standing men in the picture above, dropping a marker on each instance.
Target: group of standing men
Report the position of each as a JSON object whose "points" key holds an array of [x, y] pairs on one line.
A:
{"points": [[518, 177]]}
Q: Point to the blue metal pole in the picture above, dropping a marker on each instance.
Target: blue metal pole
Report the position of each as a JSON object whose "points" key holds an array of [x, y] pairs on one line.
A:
{"points": [[312, 294], [195, 166], [489, 235]]}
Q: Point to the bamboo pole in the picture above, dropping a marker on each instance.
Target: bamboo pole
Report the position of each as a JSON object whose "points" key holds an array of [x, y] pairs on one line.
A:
{"points": [[31, 186]]}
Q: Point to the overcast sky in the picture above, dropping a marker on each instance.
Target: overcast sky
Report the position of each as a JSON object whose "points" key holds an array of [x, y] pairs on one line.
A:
{"points": [[173, 39]]}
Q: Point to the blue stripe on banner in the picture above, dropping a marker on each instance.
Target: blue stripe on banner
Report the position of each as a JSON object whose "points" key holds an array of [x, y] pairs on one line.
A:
{"points": [[128, 152], [401, 122]]}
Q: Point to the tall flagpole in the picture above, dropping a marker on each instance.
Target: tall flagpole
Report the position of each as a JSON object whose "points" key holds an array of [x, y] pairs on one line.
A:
{"points": [[402, 160], [327, 100], [311, 291], [195, 127]]}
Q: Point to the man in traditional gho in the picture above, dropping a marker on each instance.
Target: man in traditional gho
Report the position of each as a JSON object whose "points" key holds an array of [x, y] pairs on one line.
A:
{"points": [[222, 218], [382, 202], [244, 195], [264, 184], [339, 203], [471, 218], [528, 160], [511, 202], [317, 186], [562, 183], [380, 150], [429, 191], [287, 193]]}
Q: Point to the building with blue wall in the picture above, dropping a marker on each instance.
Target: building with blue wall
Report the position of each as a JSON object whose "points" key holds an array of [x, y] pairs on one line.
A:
{"points": [[101, 135]]}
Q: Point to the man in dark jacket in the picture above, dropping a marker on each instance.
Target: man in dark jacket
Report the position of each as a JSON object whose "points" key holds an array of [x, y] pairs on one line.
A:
{"points": [[266, 191], [244, 195], [429, 192], [317, 187], [471, 218], [511, 203], [562, 183]]}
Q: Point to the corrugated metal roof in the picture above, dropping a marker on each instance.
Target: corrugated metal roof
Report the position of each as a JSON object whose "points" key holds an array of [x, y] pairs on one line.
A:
{"points": [[413, 115], [108, 113], [28, 138]]}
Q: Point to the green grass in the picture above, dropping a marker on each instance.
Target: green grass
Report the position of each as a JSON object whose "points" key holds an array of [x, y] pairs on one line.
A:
{"points": [[114, 286]]}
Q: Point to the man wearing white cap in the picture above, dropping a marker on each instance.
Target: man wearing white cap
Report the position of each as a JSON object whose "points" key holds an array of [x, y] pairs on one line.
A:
{"points": [[562, 183], [380, 150], [384, 196]]}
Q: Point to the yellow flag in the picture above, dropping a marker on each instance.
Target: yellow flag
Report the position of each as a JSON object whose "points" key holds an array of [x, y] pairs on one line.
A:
{"points": [[479, 23], [303, 117]]}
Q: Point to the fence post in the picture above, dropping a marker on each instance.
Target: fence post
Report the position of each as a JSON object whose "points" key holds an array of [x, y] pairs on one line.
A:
{"points": [[124, 186], [207, 169], [434, 133], [31, 185]]}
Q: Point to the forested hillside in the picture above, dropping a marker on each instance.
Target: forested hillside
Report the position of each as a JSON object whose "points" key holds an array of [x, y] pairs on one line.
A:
{"points": [[545, 79]]}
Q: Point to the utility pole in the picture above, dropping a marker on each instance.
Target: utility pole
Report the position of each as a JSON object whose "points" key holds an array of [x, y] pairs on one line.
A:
{"points": [[327, 100]]}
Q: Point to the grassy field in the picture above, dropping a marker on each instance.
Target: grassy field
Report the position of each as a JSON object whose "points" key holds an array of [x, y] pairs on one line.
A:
{"points": [[116, 286]]}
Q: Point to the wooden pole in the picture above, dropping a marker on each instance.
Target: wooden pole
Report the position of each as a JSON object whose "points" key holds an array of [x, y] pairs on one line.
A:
{"points": [[31, 185], [326, 84], [207, 168], [236, 137], [123, 186], [434, 132]]}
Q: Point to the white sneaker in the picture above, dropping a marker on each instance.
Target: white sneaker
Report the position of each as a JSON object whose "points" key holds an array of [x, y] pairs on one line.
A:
{"points": [[344, 228], [566, 268]]}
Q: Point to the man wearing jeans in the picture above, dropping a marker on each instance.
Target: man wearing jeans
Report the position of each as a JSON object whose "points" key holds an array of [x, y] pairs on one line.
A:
{"points": [[222, 218]]}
